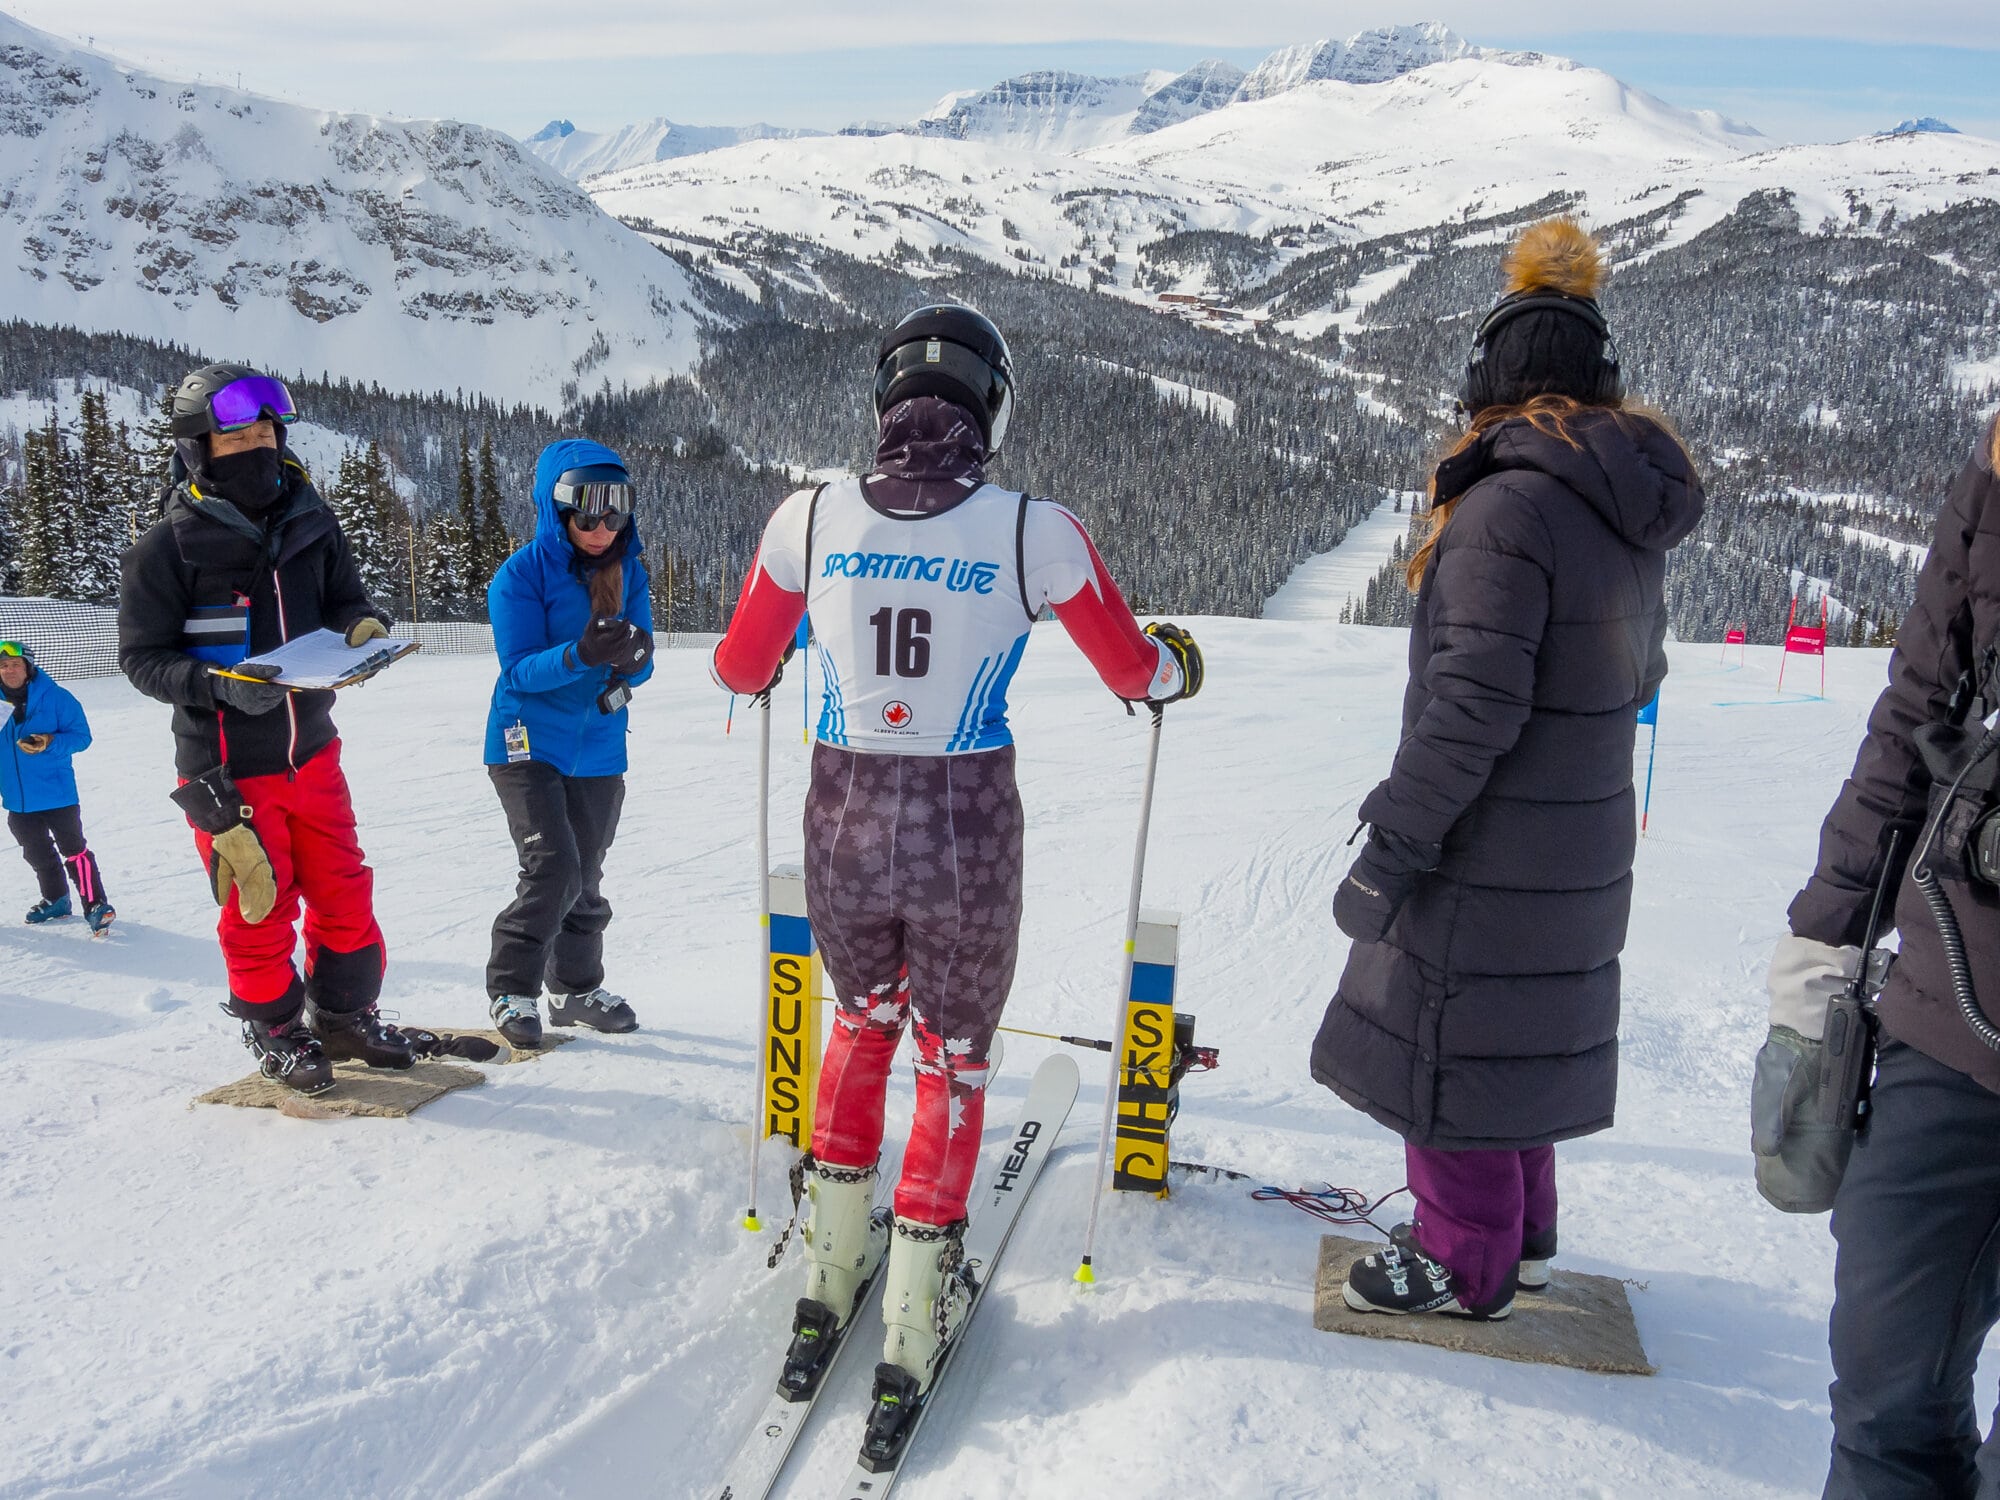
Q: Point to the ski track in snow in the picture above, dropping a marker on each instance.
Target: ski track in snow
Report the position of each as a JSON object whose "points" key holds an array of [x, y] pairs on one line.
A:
{"points": [[1319, 586], [539, 1288]]}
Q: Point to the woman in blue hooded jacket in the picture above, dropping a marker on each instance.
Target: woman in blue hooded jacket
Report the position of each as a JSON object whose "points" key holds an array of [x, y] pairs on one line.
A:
{"points": [[572, 620], [44, 730]]}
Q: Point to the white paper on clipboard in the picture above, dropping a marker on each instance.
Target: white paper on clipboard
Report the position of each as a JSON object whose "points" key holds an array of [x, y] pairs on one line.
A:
{"points": [[323, 659]]}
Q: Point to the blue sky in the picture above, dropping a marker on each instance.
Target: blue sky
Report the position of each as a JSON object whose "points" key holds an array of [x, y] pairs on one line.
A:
{"points": [[515, 64]]}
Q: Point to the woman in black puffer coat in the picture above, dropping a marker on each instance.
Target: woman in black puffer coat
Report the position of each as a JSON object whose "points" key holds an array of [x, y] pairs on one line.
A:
{"points": [[1478, 1014]]}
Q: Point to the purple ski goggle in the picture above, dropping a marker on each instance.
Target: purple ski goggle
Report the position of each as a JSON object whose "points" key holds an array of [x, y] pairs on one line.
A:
{"points": [[249, 400]]}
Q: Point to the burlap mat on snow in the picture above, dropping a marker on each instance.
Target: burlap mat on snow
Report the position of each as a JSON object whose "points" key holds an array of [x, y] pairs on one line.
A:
{"points": [[1582, 1322]]}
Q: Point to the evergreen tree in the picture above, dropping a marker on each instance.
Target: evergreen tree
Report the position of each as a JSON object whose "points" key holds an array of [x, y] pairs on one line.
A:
{"points": [[47, 550], [99, 503], [491, 544], [373, 518]]}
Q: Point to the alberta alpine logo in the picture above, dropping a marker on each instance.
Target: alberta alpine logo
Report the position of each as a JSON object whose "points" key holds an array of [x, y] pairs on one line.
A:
{"points": [[897, 715]]}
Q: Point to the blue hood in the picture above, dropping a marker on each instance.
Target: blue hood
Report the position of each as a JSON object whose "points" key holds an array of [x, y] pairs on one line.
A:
{"points": [[539, 603], [557, 459]]}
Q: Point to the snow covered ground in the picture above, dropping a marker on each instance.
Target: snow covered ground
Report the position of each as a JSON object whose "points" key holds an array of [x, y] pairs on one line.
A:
{"points": [[539, 1288]]}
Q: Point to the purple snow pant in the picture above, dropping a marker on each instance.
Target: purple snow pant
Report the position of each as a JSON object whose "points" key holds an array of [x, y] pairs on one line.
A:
{"points": [[1475, 1207]]}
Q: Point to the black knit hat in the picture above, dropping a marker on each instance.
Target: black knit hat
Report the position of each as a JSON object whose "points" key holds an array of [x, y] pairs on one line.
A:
{"points": [[1546, 336], [1547, 351]]}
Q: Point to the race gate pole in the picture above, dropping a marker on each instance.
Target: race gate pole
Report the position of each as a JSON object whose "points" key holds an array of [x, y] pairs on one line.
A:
{"points": [[750, 1220], [1084, 1273]]}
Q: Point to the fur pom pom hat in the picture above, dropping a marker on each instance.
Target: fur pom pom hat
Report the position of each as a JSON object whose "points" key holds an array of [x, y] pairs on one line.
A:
{"points": [[1546, 335]]}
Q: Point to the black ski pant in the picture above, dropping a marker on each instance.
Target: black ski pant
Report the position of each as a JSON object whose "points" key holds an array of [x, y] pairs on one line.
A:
{"points": [[1916, 1287], [52, 841], [553, 930]]}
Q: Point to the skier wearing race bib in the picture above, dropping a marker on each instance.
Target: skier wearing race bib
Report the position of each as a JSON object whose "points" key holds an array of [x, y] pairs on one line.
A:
{"points": [[921, 581]]}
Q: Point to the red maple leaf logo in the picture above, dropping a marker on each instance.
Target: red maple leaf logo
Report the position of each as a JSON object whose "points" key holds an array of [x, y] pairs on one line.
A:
{"points": [[896, 715]]}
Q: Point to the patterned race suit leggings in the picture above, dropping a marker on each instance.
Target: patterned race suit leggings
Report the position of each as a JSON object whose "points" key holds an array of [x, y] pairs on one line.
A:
{"points": [[913, 885]]}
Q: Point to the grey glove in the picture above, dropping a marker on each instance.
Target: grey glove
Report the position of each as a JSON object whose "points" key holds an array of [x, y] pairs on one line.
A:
{"points": [[248, 697], [1800, 1142]]}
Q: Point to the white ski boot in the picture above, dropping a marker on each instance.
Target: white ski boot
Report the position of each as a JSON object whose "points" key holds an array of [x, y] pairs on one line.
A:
{"points": [[925, 1296], [844, 1241]]}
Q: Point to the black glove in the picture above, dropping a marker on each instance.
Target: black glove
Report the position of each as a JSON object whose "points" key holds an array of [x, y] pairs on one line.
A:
{"points": [[1379, 882], [1180, 645], [434, 1044], [634, 654], [248, 697], [236, 856], [604, 641]]}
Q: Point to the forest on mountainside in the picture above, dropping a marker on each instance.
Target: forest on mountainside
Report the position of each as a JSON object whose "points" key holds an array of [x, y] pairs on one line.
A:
{"points": [[1813, 371]]}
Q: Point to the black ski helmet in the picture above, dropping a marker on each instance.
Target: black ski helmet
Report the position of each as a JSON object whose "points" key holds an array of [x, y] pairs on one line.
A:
{"points": [[192, 418], [947, 349]]}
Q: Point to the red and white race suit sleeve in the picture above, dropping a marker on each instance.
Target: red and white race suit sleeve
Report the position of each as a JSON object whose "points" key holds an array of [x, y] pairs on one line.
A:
{"points": [[1064, 570], [771, 604]]}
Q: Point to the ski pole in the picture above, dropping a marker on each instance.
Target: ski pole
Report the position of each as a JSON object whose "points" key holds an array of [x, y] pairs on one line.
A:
{"points": [[1084, 1274], [763, 700]]}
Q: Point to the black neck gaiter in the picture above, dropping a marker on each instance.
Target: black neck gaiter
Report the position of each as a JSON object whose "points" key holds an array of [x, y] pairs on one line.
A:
{"points": [[251, 481]]}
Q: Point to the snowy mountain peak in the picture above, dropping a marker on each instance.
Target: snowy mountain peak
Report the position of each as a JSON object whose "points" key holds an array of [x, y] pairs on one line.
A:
{"points": [[1049, 110], [1205, 86], [1928, 125], [586, 153], [419, 254], [1373, 56]]}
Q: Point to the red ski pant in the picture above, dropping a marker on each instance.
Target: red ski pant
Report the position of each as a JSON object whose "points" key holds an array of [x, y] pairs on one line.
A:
{"points": [[306, 823]]}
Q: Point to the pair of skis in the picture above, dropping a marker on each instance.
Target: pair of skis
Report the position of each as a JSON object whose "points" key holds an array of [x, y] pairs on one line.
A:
{"points": [[895, 1415]]}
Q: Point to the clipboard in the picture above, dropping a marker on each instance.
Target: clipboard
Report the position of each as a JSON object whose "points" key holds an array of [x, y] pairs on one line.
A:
{"points": [[323, 661]]}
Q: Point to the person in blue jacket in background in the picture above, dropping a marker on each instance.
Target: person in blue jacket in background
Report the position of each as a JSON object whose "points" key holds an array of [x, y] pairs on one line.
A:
{"points": [[572, 621], [44, 731]]}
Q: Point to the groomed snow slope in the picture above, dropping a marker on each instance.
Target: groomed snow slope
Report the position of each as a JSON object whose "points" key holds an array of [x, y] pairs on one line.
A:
{"points": [[538, 1287]]}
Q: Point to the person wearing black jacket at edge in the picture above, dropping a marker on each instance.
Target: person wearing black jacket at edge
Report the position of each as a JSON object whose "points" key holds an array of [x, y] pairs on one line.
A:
{"points": [[247, 556], [1916, 1195]]}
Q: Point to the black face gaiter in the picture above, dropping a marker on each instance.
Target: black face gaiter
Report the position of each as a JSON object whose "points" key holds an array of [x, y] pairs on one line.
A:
{"points": [[250, 480]]}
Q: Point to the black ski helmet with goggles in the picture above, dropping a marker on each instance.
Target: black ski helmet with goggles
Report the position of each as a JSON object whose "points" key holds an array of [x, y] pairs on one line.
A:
{"points": [[949, 350], [597, 495], [225, 398]]}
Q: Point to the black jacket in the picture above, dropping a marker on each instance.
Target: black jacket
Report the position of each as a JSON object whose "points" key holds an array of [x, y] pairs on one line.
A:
{"points": [[1487, 1017], [1956, 616], [207, 586]]}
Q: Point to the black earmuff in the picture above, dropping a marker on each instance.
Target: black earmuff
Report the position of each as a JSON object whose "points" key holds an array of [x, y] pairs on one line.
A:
{"points": [[1476, 391]]}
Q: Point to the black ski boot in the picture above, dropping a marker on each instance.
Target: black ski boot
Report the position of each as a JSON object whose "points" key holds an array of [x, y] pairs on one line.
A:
{"points": [[1400, 1278], [289, 1054], [598, 1009], [518, 1018], [1537, 1250], [360, 1035]]}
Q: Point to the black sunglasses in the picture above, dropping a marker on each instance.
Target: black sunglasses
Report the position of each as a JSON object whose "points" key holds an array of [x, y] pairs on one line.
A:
{"points": [[611, 520]]}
